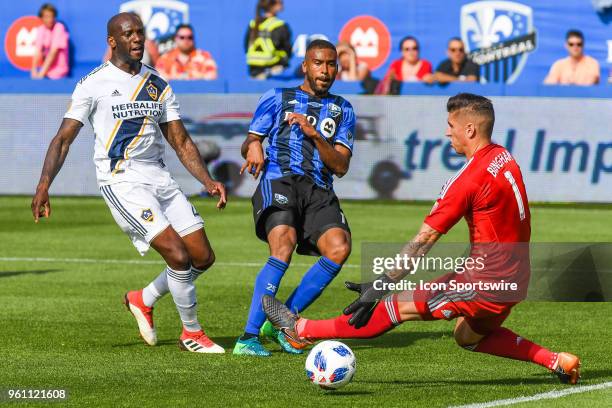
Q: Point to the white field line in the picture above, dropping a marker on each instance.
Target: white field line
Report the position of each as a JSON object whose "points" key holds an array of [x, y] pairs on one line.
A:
{"points": [[537, 397], [136, 261]]}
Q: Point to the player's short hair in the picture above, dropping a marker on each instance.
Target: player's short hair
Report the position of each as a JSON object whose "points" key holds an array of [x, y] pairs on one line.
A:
{"points": [[320, 44], [476, 105], [184, 25], [574, 33], [47, 7]]}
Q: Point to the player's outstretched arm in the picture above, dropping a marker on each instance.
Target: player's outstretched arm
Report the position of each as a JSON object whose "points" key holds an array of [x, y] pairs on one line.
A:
{"points": [[371, 293], [56, 154], [187, 152], [336, 158], [252, 151]]}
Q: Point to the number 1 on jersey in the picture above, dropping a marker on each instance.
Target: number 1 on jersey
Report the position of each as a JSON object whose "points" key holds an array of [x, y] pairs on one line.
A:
{"points": [[517, 194]]}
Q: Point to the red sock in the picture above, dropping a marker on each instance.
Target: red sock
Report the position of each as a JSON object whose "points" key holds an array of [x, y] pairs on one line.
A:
{"points": [[505, 343], [384, 318]]}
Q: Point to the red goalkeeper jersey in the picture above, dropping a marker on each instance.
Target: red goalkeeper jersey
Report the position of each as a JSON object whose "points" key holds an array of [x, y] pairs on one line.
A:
{"points": [[488, 191]]}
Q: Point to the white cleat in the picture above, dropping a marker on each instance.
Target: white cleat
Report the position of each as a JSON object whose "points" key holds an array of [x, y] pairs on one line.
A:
{"points": [[143, 316]]}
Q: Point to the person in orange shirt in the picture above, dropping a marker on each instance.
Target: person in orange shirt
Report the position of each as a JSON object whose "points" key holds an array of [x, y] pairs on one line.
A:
{"points": [[577, 68], [185, 61]]}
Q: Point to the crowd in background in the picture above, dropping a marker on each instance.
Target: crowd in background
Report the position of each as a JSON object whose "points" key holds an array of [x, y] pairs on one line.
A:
{"points": [[268, 51]]}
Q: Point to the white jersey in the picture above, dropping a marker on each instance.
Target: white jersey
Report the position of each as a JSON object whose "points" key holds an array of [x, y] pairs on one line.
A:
{"points": [[125, 111]]}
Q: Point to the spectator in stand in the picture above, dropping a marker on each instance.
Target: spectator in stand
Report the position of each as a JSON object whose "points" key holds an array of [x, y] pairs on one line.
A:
{"points": [[409, 68], [350, 68], [457, 67], [577, 68], [268, 41], [51, 55], [185, 61]]}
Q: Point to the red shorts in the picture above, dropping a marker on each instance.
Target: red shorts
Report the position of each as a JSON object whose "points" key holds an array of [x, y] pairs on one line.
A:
{"points": [[483, 316]]}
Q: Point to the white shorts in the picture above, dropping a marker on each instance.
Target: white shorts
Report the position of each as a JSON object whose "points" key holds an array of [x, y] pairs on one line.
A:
{"points": [[143, 211]]}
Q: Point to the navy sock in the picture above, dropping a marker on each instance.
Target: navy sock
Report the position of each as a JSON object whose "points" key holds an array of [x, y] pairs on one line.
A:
{"points": [[314, 281], [266, 283], [247, 336]]}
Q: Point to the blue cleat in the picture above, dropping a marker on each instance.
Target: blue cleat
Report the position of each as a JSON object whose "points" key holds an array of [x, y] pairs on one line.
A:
{"points": [[250, 347]]}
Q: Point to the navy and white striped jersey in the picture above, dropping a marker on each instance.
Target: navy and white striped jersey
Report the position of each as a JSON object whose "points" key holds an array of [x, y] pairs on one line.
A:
{"points": [[289, 151], [125, 112]]}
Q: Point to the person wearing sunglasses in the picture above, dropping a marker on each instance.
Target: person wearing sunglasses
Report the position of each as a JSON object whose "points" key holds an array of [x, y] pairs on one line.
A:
{"points": [[457, 67], [185, 61], [410, 67], [577, 68]]}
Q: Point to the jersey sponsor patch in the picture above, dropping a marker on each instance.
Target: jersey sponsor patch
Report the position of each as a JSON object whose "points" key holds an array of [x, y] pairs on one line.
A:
{"points": [[328, 127]]}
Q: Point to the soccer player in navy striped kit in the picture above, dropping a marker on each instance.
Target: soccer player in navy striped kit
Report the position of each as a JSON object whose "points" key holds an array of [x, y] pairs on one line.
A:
{"points": [[310, 140]]}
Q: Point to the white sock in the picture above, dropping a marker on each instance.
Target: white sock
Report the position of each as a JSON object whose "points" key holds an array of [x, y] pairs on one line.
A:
{"points": [[183, 292], [159, 286], [155, 290], [195, 273]]}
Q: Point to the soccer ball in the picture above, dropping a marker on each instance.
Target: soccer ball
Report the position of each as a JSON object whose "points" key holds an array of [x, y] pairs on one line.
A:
{"points": [[330, 365]]}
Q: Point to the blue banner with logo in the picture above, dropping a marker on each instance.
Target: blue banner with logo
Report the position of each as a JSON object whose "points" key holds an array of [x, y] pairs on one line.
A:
{"points": [[514, 42]]}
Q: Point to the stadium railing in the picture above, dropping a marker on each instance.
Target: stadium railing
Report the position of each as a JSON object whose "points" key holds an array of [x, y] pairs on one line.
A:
{"points": [[66, 86]]}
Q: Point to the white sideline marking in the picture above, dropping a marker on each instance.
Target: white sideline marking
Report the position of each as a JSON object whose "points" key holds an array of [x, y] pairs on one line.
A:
{"points": [[134, 261], [537, 397]]}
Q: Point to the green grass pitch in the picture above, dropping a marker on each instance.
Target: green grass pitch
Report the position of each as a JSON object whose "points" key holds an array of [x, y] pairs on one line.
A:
{"points": [[62, 324]]}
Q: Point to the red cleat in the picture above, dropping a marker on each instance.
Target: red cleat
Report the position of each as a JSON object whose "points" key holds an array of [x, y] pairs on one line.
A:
{"points": [[198, 342], [568, 368], [143, 315]]}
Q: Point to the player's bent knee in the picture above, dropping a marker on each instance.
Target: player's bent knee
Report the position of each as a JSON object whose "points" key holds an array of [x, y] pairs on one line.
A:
{"points": [[465, 338], [204, 262], [339, 253], [178, 258]]}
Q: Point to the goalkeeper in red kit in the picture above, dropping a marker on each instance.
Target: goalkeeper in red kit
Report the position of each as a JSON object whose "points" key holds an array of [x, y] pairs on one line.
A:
{"points": [[488, 191]]}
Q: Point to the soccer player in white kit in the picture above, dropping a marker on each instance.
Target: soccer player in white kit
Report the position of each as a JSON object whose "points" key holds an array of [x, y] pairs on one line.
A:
{"points": [[130, 107]]}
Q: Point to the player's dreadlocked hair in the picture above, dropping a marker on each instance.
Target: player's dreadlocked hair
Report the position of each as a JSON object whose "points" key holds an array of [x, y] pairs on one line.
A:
{"points": [[263, 6], [475, 104]]}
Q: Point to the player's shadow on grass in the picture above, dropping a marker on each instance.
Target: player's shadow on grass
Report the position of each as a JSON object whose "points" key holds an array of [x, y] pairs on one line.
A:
{"points": [[536, 379], [8, 274], [160, 343], [337, 393], [395, 339]]}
